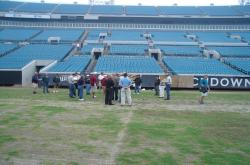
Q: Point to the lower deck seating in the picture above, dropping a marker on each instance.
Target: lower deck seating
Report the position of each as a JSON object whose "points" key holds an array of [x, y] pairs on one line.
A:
{"points": [[130, 64], [6, 47], [198, 65], [128, 49], [28, 53], [241, 63], [73, 64]]}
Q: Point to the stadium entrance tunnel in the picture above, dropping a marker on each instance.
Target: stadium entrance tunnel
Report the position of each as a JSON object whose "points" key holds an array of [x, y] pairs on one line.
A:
{"points": [[97, 55], [156, 53], [22, 76], [97, 52]]}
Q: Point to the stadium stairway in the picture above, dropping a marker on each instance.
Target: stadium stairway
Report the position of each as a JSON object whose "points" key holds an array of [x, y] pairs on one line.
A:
{"points": [[81, 40], [29, 39], [162, 65], [12, 50], [91, 65], [52, 11], [234, 67]]}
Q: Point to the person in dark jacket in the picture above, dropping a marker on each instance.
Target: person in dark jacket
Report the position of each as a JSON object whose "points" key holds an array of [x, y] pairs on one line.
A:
{"points": [[45, 81], [56, 82], [109, 90], [80, 84], [35, 79], [116, 80], [157, 85], [138, 84]]}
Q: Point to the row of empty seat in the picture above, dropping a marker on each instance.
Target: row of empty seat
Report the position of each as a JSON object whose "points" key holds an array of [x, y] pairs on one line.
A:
{"points": [[21, 57], [180, 50], [116, 49], [240, 63], [227, 51], [170, 36], [130, 64], [6, 47], [215, 37], [198, 65], [73, 64], [36, 34], [64, 34], [21, 34], [128, 10], [17, 34]]}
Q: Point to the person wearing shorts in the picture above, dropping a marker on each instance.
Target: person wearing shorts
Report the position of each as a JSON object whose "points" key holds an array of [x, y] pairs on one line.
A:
{"points": [[204, 88], [93, 83]]}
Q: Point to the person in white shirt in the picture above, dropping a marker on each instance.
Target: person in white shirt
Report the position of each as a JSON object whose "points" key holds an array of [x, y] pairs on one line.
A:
{"points": [[100, 77], [168, 83], [71, 86]]}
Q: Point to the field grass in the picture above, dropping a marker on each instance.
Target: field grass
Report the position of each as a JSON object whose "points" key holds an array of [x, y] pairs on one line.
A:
{"points": [[55, 129]]}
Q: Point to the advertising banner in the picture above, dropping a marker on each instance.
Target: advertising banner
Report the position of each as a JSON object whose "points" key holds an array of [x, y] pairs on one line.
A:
{"points": [[224, 82]]}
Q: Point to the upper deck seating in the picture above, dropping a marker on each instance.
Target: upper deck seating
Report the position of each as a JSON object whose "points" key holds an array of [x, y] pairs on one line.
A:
{"points": [[130, 64]]}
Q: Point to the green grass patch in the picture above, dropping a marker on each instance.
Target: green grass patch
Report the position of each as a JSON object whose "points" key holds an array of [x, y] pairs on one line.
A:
{"points": [[146, 157], [49, 110], [154, 135], [6, 139], [196, 133], [108, 121], [85, 147]]}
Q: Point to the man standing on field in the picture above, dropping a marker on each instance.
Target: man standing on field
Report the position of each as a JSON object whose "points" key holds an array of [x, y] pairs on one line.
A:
{"points": [[204, 88], [125, 84], [35, 82], [93, 83], [168, 82]]}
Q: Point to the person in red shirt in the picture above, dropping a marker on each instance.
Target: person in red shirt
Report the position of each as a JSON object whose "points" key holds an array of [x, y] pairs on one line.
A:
{"points": [[103, 82], [93, 83]]}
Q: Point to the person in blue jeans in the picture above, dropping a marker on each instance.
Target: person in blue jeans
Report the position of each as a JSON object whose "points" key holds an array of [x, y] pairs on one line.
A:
{"points": [[45, 81], [168, 83], [71, 86], [137, 84], [87, 84], [80, 84]]}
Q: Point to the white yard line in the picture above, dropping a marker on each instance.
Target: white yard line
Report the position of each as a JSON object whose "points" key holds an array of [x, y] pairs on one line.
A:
{"points": [[120, 139]]}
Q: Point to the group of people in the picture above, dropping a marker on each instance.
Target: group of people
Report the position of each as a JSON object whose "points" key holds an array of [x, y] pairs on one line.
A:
{"points": [[114, 87], [110, 85], [167, 82], [36, 79], [203, 87]]}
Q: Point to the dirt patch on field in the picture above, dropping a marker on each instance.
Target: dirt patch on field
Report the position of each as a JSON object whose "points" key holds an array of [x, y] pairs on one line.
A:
{"points": [[175, 105]]}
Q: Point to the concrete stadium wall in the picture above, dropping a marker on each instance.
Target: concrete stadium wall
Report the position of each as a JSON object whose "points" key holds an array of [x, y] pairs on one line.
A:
{"points": [[27, 73], [29, 70]]}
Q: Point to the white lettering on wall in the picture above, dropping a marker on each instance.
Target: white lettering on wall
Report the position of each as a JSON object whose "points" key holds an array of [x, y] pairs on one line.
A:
{"points": [[247, 83], [224, 82], [197, 81], [236, 82], [214, 82], [64, 78]]}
